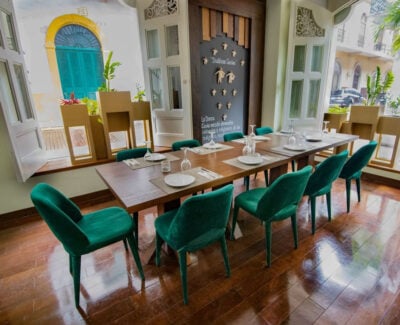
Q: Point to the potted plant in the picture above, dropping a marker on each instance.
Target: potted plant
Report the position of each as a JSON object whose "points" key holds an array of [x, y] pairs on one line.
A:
{"points": [[364, 119], [115, 108], [142, 113]]}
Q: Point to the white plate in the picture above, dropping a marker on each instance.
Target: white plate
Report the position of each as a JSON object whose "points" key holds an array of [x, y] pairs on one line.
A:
{"points": [[261, 138], [313, 139], [179, 180], [294, 147], [250, 160], [286, 132], [156, 157], [215, 146]]}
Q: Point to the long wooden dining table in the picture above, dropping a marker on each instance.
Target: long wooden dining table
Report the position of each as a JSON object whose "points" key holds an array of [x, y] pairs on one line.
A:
{"points": [[139, 184]]}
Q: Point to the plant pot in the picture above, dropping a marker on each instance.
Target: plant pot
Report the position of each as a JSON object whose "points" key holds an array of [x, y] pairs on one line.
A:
{"points": [[364, 120], [335, 120], [99, 139], [117, 115], [78, 133]]}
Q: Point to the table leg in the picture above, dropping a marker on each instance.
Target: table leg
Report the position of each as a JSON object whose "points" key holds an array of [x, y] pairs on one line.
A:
{"points": [[275, 172]]}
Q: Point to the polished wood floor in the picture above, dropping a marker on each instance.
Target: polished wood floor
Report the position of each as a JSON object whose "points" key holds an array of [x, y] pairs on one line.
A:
{"points": [[347, 273]]}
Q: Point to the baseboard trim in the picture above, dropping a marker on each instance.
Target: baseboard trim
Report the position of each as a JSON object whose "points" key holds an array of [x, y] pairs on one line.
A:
{"points": [[19, 217]]}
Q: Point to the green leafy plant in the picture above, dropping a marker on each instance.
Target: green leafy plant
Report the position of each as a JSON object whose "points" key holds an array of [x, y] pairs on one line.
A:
{"points": [[92, 105], [376, 87], [140, 93], [336, 109], [391, 20], [395, 105], [109, 73]]}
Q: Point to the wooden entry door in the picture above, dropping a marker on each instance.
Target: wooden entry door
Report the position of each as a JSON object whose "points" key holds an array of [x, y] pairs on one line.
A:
{"points": [[227, 53]]}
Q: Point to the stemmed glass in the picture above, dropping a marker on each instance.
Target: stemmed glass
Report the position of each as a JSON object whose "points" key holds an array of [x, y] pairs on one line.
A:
{"points": [[292, 138], [252, 134], [185, 164], [212, 142], [148, 146], [247, 151], [325, 130]]}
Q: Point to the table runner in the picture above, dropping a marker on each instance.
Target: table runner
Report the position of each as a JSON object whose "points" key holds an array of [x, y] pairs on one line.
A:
{"points": [[141, 162], [202, 176], [266, 160], [205, 151]]}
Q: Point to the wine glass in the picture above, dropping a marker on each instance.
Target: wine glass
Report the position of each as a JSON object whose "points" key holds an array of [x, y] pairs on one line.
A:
{"points": [[148, 146], [252, 134], [247, 147], [292, 137], [185, 164], [212, 142], [325, 130]]}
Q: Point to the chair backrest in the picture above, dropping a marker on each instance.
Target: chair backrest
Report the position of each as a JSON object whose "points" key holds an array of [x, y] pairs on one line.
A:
{"points": [[325, 174], [358, 161], [190, 143], [201, 219], [131, 153], [263, 130], [283, 195], [233, 136], [61, 215]]}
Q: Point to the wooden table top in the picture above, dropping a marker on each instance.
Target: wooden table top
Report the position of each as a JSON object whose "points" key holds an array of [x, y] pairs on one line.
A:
{"points": [[135, 191]]}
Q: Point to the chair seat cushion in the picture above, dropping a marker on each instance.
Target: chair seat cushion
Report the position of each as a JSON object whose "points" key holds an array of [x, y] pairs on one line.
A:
{"points": [[248, 201], [105, 227]]}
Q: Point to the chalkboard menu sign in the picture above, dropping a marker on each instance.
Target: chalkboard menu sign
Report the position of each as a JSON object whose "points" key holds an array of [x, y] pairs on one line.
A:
{"points": [[224, 87]]}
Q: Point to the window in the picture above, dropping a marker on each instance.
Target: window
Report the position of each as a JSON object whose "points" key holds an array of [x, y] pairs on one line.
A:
{"points": [[15, 100], [363, 27], [80, 61], [356, 77]]}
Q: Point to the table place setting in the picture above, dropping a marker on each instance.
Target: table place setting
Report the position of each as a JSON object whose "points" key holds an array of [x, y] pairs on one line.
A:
{"points": [[207, 149], [174, 182], [256, 138], [151, 160], [248, 162]]}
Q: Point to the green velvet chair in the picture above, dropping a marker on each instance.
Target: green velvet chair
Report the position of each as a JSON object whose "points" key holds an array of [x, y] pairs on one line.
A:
{"points": [[277, 202], [234, 136], [263, 130], [190, 143], [352, 169], [82, 234], [200, 221], [129, 154], [320, 182]]}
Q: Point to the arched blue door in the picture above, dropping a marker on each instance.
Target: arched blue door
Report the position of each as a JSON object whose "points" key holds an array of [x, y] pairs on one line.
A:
{"points": [[80, 61]]}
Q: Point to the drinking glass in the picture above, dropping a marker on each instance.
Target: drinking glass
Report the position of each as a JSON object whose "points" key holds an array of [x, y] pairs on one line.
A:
{"points": [[148, 146], [325, 130], [247, 146], [185, 164], [292, 137], [252, 134], [212, 142]]}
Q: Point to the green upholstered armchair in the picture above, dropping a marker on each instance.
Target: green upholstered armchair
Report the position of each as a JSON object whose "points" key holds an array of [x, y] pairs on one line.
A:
{"points": [[190, 143], [198, 222], [263, 130], [320, 182], [352, 169], [82, 234], [233, 136], [129, 154], [274, 203]]}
